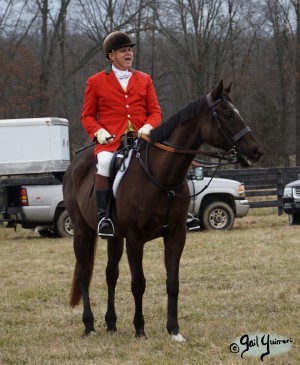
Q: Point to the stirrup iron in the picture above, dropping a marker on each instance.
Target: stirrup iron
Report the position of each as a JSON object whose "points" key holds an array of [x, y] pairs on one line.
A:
{"points": [[109, 222], [192, 223]]}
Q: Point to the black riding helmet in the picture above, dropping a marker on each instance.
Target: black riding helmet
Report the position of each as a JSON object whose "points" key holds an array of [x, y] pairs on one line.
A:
{"points": [[116, 40]]}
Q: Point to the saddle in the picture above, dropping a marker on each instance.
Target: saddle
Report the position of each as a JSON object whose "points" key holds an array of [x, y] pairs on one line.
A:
{"points": [[128, 143]]}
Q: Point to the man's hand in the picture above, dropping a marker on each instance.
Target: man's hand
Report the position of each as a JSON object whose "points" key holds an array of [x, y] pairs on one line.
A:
{"points": [[103, 136], [146, 129]]}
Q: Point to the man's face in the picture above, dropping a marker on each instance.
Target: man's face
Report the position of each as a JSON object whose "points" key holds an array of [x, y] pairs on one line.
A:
{"points": [[122, 58]]}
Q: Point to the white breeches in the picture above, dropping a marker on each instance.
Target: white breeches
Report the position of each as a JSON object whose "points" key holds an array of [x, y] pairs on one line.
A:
{"points": [[103, 164]]}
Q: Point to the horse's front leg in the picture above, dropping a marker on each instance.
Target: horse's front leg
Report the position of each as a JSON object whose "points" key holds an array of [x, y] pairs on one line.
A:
{"points": [[114, 252], [135, 251], [174, 245], [84, 248]]}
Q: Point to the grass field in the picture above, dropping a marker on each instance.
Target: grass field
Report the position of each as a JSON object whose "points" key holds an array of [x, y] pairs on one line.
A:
{"points": [[233, 283]]}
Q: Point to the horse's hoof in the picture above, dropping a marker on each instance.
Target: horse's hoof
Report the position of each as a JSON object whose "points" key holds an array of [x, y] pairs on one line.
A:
{"points": [[178, 338], [111, 331], [91, 333], [140, 334]]}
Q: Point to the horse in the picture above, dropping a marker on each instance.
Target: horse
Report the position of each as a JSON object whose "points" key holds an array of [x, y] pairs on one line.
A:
{"points": [[151, 201]]}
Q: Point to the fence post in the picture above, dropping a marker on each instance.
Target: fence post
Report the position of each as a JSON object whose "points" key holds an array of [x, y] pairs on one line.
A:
{"points": [[280, 191]]}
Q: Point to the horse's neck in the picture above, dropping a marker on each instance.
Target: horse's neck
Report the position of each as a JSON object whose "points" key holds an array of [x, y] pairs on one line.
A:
{"points": [[167, 168], [191, 133]]}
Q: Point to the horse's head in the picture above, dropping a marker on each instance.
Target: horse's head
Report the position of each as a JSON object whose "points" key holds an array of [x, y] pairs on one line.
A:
{"points": [[229, 130]]}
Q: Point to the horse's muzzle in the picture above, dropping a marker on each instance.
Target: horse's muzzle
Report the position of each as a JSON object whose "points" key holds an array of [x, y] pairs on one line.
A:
{"points": [[247, 158]]}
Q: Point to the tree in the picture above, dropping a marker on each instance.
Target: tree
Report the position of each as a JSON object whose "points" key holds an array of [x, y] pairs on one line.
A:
{"points": [[296, 5], [50, 42], [17, 77], [277, 16]]}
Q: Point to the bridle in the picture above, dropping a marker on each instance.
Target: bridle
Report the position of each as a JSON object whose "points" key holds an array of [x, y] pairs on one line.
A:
{"points": [[231, 140]]}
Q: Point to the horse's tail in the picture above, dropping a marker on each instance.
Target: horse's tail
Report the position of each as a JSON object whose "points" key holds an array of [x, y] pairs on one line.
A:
{"points": [[80, 272]]}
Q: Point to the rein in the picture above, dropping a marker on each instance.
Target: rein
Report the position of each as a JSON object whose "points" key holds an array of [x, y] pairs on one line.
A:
{"points": [[169, 147], [171, 190], [232, 155]]}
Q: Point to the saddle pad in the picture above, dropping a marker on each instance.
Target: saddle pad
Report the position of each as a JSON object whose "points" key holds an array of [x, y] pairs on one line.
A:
{"points": [[121, 173]]}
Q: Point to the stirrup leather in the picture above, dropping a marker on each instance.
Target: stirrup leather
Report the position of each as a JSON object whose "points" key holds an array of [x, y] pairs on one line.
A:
{"points": [[110, 223]]}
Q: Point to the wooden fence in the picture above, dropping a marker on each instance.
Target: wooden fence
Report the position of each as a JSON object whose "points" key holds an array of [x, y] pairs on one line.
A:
{"points": [[264, 186]]}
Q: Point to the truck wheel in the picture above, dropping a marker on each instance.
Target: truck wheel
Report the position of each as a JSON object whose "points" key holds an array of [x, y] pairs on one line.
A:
{"points": [[294, 219], [64, 225], [218, 215]]}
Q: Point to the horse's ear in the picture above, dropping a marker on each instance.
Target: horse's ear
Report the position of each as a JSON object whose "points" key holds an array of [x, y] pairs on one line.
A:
{"points": [[228, 88], [217, 91]]}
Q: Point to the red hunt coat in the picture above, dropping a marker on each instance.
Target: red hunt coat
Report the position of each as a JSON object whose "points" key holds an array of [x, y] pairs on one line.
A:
{"points": [[106, 105]]}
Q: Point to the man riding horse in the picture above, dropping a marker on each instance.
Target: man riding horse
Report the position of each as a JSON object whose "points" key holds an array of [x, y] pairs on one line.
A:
{"points": [[117, 99]]}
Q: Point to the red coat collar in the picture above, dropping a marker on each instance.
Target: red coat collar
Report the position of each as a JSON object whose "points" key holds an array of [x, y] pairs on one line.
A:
{"points": [[112, 78]]}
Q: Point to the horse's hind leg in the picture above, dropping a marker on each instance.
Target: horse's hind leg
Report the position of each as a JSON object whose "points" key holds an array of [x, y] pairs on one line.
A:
{"points": [[173, 249], [114, 252], [84, 248]]}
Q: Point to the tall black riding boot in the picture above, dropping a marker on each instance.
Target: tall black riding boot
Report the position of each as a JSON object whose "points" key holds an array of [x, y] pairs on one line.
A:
{"points": [[105, 226]]}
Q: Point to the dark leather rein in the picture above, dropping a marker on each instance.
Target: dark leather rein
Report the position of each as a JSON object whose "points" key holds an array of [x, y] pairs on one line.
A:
{"points": [[233, 154]]}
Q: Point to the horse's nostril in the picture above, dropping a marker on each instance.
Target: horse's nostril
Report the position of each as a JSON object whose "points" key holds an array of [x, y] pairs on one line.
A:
{"points": [[257, 152]]}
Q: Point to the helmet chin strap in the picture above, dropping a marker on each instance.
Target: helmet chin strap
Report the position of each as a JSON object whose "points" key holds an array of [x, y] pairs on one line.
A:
{"points": [[121, 68], [118, 63]]}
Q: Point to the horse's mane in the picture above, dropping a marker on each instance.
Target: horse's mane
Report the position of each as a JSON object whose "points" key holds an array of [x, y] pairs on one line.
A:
{"points": [[185, 114]]}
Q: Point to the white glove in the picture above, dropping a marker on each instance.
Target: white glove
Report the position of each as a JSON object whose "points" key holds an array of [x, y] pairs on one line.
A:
{"points": [[103, 136], [146, 129]]}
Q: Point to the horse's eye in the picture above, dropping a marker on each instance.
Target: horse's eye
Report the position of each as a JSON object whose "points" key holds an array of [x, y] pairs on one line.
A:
{"points": [[228, 115]]}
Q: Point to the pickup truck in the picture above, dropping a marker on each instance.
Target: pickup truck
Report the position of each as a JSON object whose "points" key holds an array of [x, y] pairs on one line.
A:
{"points": [[219, 203], [40, 206], [37, 205], [34, 154], [291, 202]]}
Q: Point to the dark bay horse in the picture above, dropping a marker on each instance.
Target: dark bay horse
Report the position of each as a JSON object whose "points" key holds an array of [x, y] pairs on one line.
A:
{"points": [[152, 201]]}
